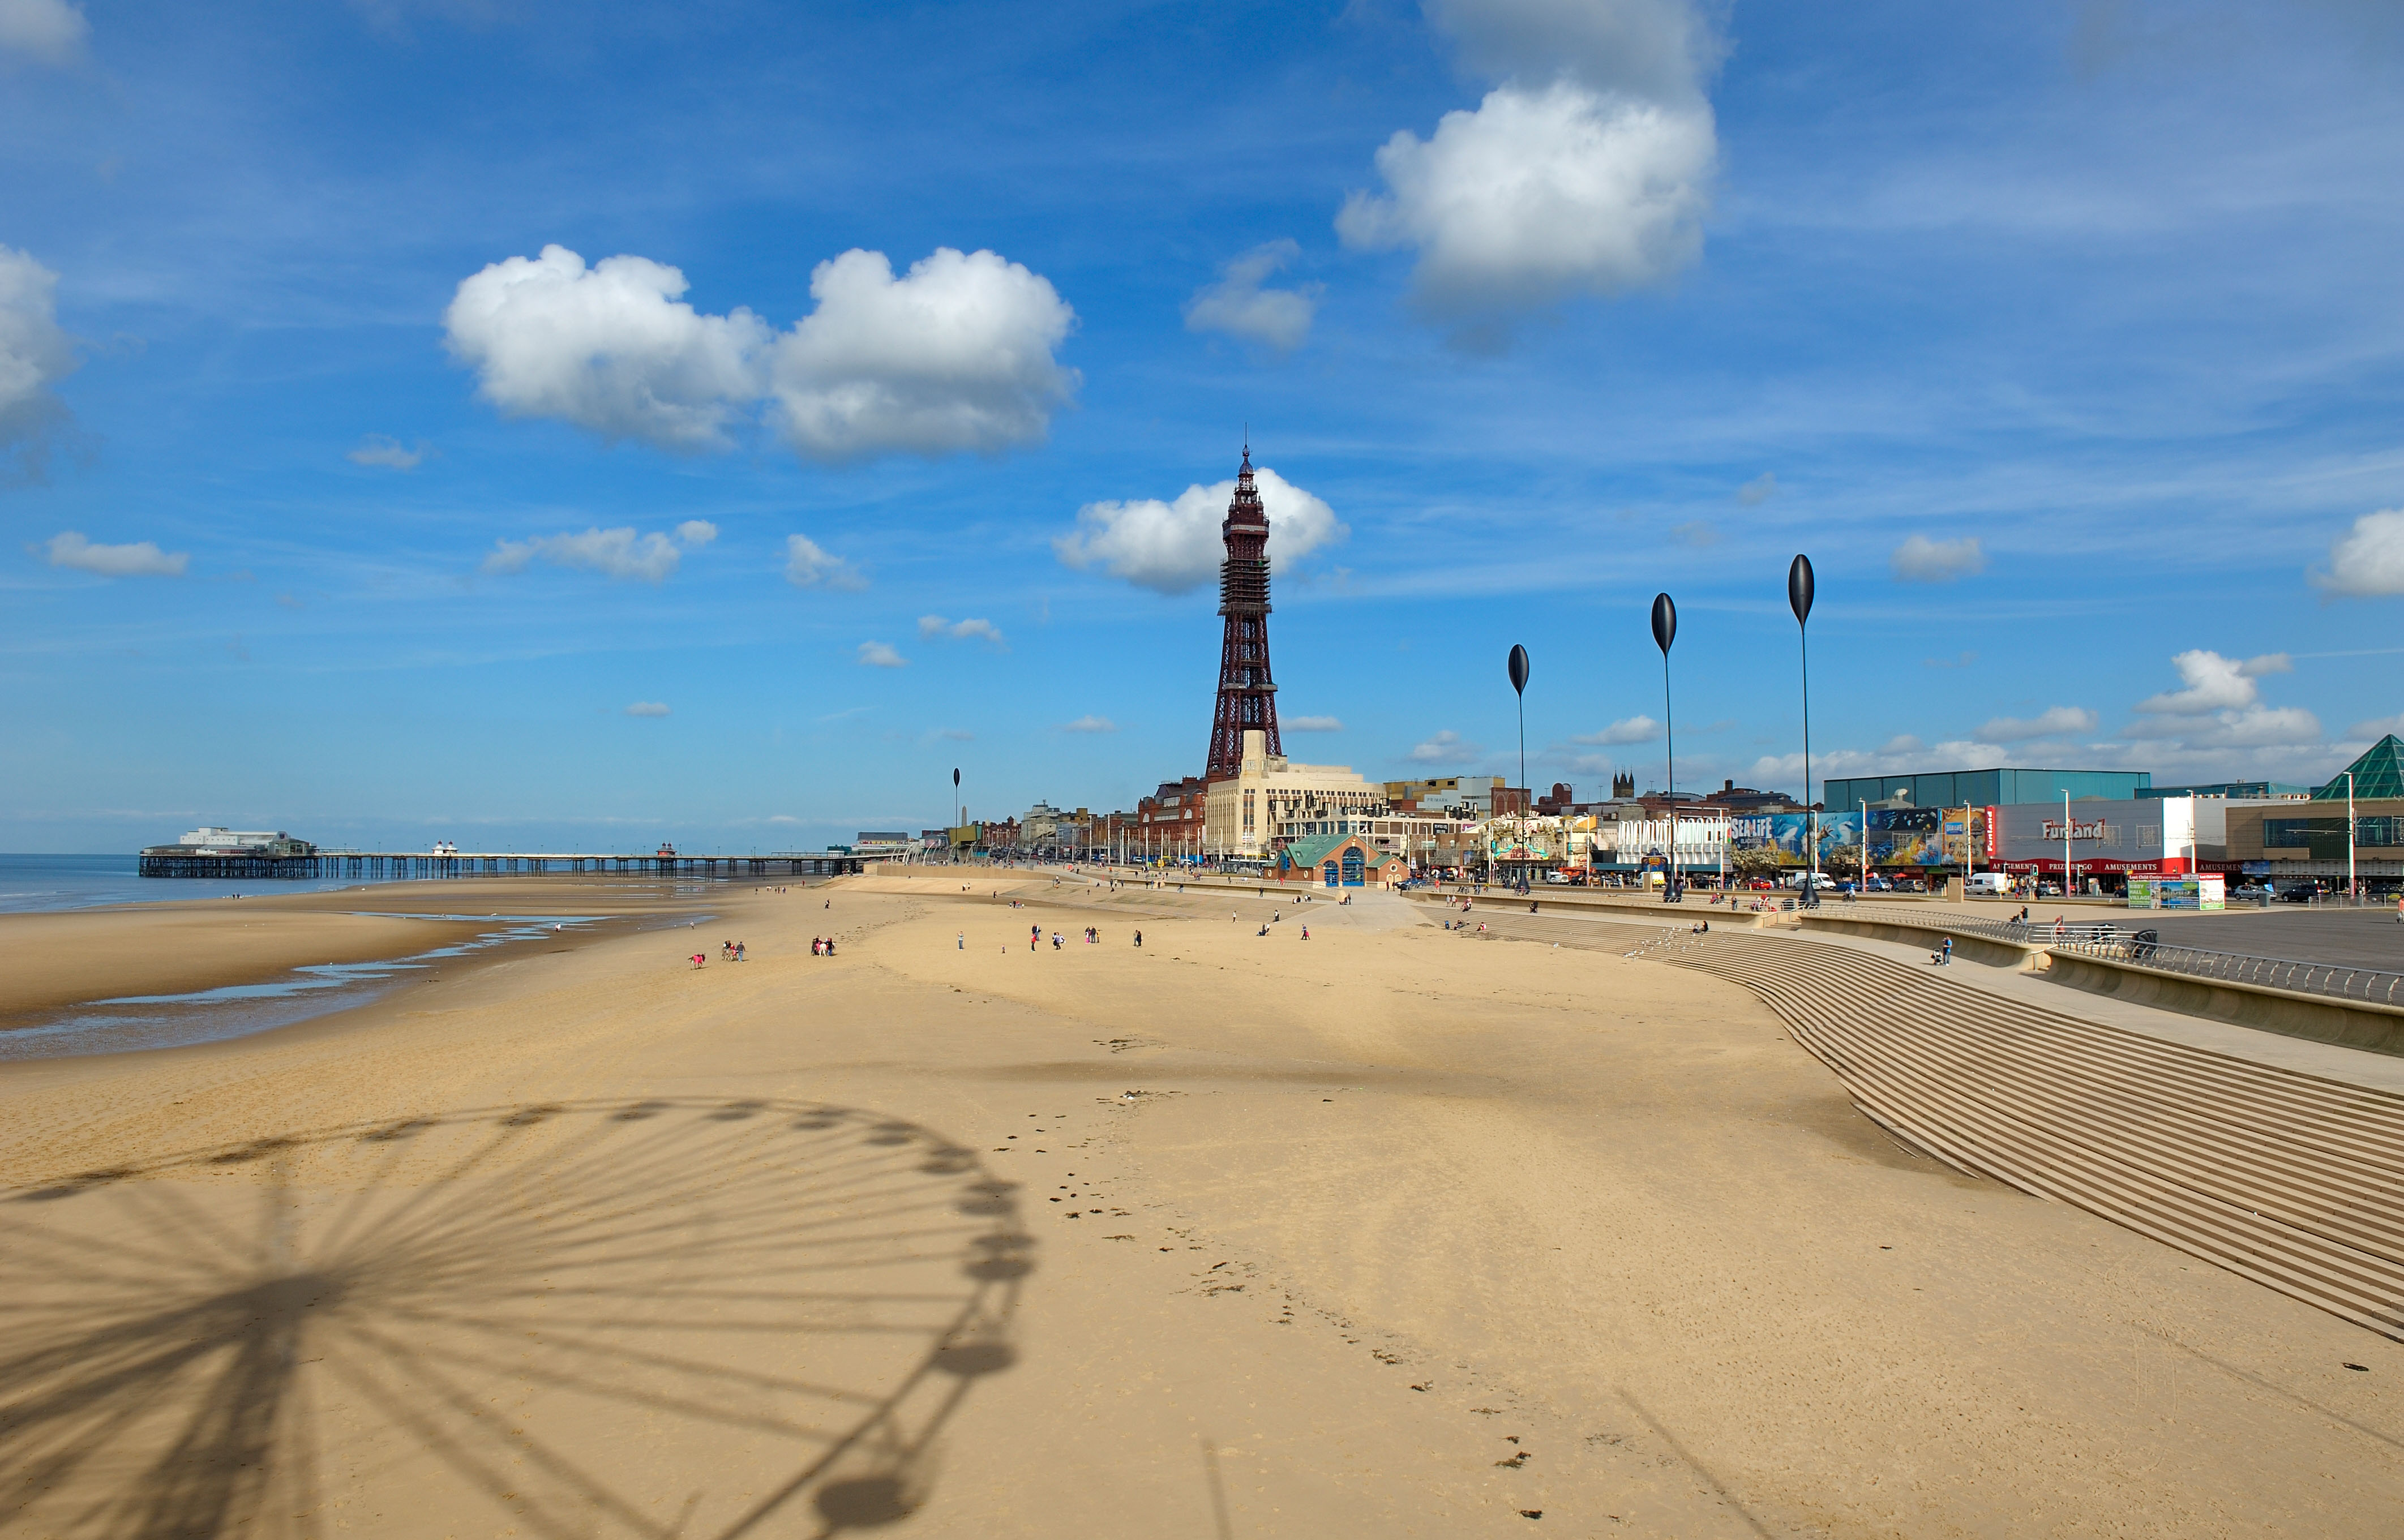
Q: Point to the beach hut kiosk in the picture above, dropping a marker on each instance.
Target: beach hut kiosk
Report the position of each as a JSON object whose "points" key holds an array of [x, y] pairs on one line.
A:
{"points": [[1339, 860]]}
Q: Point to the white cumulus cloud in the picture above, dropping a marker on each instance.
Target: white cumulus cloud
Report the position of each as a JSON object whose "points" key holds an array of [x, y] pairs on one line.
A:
{"points": [[34, 355], [648, 709], [613, 553], [808, 565], [377, 449], [2367, 561], [1637, 729], [1090, 724], [2053, 723], [957, 355], [1312, 724], [1237, 305], [1759, 490], [877, 654], [2214, 683], [1171, 548], [141, 559], [1920, 559], [612, 348], [52, 31], [1586, 168]]}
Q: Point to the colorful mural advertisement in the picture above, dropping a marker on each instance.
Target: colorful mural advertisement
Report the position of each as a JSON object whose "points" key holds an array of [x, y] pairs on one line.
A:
{"points": [[1899, 837], [1789, 834]]}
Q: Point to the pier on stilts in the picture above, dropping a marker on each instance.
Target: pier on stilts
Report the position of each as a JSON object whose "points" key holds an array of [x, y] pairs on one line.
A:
{"points": [[259, 867]]}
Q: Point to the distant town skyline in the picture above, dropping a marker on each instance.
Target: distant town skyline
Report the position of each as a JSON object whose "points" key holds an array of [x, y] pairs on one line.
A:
{"points": [[554, 427]]}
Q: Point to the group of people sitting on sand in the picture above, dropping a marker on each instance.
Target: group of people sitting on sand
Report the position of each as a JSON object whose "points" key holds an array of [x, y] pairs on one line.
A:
{"points": [[822, 946]]}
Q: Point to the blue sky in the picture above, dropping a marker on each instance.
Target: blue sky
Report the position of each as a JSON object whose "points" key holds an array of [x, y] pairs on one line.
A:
{"points": [[2068, 341]]}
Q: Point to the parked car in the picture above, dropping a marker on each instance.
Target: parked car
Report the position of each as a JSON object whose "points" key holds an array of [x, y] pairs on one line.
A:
{"points": [[1989, 884]]}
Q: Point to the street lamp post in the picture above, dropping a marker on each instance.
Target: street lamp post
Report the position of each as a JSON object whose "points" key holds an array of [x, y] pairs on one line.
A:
{"points": [[1520, 688], [2066, 845], [2350, 894], [1665, 631], [1798, 598]]}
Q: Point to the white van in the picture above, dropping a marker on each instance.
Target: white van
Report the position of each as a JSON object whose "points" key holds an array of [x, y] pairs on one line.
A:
{"points": [[1989, 884]]}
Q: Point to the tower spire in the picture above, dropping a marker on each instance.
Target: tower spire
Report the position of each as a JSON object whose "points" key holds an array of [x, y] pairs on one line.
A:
{"points": [[1247, 694]]}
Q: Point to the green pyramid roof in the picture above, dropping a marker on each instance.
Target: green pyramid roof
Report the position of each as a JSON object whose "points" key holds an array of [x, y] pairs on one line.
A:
{"points": [[2380, 773], [1310, 852]]}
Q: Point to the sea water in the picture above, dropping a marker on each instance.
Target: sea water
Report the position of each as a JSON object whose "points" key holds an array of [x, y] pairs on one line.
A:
{"points": [[86, 882]]}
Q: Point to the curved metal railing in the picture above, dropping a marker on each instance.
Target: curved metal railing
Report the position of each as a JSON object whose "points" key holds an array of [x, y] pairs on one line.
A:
{"points": [[2338, 980]]}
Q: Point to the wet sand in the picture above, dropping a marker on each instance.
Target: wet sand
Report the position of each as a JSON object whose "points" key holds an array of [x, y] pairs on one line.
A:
{"points": [[53, 960], [1386, 1232]]}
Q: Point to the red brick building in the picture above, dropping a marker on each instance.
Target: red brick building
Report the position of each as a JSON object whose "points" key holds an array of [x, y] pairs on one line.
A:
{"points": [[1168, 822]]}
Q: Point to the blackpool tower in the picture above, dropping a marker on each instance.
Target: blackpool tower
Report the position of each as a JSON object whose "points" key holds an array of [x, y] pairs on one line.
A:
{"points": [[1247, 694]]}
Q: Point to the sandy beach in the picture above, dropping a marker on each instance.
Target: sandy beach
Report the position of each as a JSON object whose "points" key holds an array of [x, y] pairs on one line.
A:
{"points": [[1389, 1231]]}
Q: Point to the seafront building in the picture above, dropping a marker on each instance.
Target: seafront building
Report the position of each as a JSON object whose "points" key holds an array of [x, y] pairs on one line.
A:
{"points": [[1243, 812]]}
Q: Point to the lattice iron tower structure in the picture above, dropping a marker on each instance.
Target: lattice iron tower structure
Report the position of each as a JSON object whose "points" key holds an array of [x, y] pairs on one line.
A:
{"points": [[1247, 694]]}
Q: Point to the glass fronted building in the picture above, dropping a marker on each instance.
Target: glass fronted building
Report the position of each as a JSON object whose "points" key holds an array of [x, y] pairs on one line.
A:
{"points": [[1986, 788]]}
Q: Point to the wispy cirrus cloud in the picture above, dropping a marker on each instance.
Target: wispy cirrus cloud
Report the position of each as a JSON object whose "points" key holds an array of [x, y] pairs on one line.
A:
{"points": [[1920, 559], [1238, 306], [378, 449], [619, 553], [1636, 729], [1445, 747], [807, 564], [2058, 722], [934, 626]]}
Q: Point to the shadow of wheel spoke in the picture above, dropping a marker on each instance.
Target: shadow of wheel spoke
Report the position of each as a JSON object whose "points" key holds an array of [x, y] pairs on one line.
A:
{"points": [[629, 1318]]}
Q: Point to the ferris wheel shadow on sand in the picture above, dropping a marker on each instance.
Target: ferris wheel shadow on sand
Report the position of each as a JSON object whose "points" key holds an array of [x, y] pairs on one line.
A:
{"points": [[673, 1317]]}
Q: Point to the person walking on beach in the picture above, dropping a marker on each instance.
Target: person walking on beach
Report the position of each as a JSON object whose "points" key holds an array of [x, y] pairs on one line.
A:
{"points": [[1138, 940], [964, 940]]}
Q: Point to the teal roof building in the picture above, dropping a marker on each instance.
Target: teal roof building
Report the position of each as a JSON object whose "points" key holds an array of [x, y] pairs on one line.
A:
{"points": [[1993, 788]]}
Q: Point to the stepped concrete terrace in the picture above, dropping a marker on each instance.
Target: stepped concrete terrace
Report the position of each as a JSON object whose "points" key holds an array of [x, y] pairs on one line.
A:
{"points": [[2278, 1158]]}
